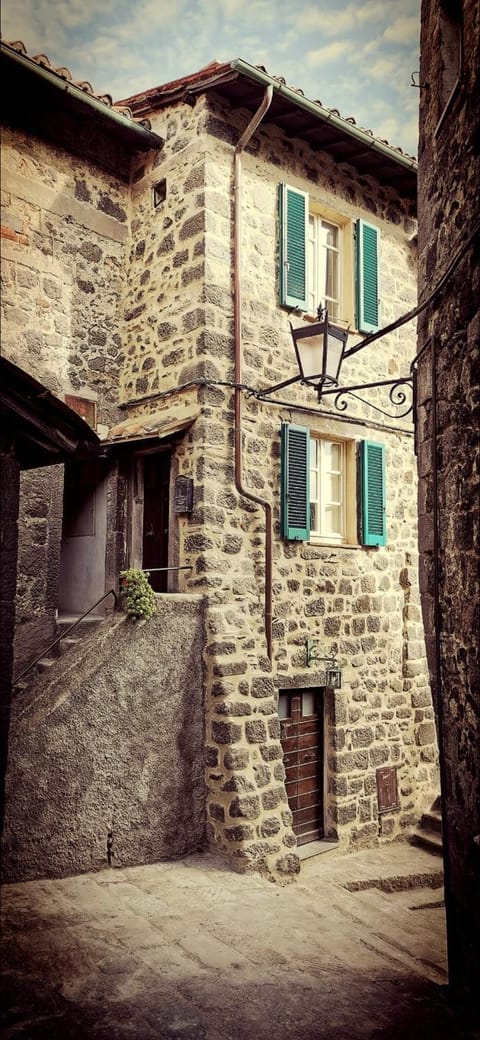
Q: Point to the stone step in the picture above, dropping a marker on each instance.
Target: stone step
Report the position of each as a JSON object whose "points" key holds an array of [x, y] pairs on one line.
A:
{"points": [[432, 821], [45, 664], [428, 839], [66, 644]]}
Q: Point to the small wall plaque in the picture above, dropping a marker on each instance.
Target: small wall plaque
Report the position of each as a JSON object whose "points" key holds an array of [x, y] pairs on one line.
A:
{"points": [[84, 407], [183, 495], [387, 789]]}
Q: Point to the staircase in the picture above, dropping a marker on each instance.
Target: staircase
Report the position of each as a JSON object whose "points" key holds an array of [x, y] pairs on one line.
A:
{"points": [[429, 831], [70, 630], [58, 649]]}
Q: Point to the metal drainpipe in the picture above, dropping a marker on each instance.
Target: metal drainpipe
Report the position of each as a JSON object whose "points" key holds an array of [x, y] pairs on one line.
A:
{"points": [[237, 318]]}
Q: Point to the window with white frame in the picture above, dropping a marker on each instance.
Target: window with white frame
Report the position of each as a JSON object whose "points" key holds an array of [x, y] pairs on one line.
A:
{"points": [[321, 498], [324, 266], [328, 260], [327, 489]]}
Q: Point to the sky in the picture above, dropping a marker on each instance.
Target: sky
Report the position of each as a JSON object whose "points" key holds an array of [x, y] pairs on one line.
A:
{"points": [[357, 56]]}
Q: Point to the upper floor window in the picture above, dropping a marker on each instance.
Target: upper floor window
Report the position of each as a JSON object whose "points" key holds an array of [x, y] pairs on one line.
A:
{"points": [[450, 53], [328, 260], [324, 265]]}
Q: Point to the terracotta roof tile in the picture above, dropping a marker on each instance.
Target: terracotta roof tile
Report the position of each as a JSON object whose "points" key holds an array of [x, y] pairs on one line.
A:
{"points": [[216, 69], [44, 62]]}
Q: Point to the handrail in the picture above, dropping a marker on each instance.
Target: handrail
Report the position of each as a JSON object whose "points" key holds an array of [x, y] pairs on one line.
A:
{"points": [[111, 592]]}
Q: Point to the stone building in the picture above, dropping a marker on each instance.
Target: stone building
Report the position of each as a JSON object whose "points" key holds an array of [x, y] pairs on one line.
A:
{"points": [[448, 445], [166, 275]]}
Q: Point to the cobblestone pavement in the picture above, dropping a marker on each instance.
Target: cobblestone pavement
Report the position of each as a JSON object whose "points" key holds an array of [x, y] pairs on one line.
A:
{"points": [[191, 951]]}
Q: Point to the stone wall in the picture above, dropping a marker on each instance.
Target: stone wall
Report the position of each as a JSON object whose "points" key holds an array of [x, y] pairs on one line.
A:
{"points": [[110, 750], [64, 226], [64, 229], [448, 452], [137, 290], [361, 604]]}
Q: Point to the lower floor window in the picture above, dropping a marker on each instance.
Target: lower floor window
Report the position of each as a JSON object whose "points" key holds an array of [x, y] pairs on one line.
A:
{"points": [[332, 490]]}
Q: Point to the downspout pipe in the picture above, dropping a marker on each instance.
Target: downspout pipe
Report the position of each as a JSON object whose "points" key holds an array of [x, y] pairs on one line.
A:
{"points": [[237, 319]]}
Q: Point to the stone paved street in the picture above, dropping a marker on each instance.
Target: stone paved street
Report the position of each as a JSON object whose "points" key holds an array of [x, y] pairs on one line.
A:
{"points": [[191, 951]]}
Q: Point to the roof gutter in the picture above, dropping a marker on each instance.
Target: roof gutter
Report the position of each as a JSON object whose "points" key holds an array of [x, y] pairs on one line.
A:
{"points": [[317, 110], [138, 135]]}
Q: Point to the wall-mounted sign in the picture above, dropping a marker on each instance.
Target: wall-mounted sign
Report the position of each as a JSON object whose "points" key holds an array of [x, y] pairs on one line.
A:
{"points": [[183, 495], [387, 789]]}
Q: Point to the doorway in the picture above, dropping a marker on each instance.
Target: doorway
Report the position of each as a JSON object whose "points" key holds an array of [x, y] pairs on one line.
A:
{"points": [[302, 738], [156, 503], [148, 510], [84, 533]]}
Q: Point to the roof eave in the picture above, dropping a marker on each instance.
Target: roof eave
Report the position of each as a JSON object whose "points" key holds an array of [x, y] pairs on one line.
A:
{"points": [[324, 114], [136, 136]]}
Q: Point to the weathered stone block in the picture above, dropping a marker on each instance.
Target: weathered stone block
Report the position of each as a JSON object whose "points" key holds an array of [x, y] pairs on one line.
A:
{"points": [[288, 865], [270, 799], [425, 733], [217, 812], [256, 731], [211, 756], [362, 737], [271, 752], [248, 807], [236, 758], [262, 687], [226, 732], [262, 775], [242, 832], [271, 825]]}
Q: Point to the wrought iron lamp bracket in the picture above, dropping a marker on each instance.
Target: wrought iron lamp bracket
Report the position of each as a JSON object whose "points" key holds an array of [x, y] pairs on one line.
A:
{"points": [[333, 674]]}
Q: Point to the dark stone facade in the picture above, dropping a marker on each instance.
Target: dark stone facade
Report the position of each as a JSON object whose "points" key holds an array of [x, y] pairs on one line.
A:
{"points": [[448, 445]]}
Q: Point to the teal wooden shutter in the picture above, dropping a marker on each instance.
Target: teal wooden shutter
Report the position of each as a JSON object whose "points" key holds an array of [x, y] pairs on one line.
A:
{"points": [[367, 276], [373, 501], [295, 483], [293, 247]]}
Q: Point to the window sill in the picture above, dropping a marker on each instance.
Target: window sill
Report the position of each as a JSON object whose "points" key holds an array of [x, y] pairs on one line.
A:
{"points": [[320, 543]]}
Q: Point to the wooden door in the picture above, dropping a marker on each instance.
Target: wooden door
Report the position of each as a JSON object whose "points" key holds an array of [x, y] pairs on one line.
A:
{"points": [[301, 721], [156, 493]]}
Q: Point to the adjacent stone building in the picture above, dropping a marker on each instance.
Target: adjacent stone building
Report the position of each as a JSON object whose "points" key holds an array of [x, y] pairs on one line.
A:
{"points": [[166, 285], [448, 446]]}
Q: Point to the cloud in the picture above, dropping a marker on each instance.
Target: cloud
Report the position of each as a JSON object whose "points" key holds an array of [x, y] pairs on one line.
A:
{"points": [[331, 52], [403, 31], [350, 18]]}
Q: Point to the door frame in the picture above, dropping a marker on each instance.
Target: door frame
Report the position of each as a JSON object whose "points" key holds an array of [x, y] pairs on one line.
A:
{"points": [[135, 508], [322, 759]]}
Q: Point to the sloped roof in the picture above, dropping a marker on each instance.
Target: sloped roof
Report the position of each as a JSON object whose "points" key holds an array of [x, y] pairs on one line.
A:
{"points": [[159, 424], [28, 74], [242, 85], [42, 428]]}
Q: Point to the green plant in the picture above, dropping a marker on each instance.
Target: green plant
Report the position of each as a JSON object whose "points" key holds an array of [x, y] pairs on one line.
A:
{"points": [[138, 597]]}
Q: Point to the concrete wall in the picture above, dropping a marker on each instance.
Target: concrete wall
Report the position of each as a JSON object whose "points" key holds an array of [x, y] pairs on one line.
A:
{"points": [[448, 456], [113, 741]]}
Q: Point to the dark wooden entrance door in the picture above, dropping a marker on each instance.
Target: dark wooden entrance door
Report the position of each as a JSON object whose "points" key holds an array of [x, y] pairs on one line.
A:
{"points": [[301, 721], [156, 488]]}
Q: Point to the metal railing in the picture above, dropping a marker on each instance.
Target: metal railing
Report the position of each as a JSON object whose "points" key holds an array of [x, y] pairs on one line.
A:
{"points": [[111, 592]]}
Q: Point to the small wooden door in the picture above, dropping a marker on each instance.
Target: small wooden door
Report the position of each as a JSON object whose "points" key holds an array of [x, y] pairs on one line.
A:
{"points": [[156, 491], [301, 721]]}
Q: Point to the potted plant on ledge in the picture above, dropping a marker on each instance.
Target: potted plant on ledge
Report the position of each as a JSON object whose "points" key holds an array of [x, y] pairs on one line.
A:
{"points": [[137, 595]]}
